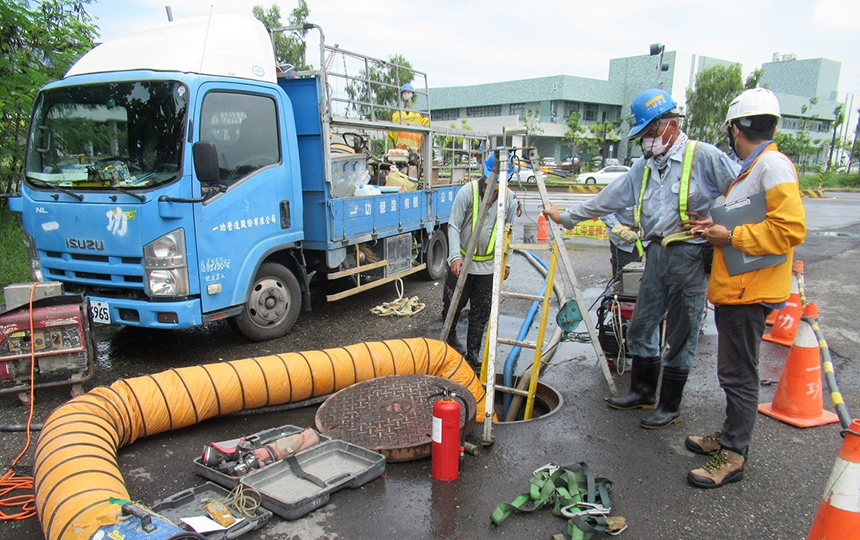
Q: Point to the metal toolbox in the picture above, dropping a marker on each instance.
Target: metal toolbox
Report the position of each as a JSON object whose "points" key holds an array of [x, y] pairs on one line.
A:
{"points": [[188, 503], [335, 464], [261, 437]]}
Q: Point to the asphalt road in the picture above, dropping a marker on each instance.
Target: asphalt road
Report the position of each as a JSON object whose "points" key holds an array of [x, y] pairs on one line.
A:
{"points": [[784, 478]]}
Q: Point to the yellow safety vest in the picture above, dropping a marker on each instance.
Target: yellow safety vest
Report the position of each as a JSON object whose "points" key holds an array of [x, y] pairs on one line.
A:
{"points": [[683, 198], [406, 139], [491, 245]]}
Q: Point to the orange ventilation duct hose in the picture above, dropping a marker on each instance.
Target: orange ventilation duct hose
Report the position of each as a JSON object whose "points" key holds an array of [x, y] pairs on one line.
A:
{"points": [[75, 464]]}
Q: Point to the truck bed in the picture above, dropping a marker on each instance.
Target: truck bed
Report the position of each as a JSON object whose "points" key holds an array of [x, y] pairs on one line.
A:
{"points": [[332, 223]]}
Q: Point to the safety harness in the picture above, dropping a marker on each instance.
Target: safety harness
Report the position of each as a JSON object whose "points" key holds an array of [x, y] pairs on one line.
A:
{"points": [[683, 198], [488, 252], [574, 494]]}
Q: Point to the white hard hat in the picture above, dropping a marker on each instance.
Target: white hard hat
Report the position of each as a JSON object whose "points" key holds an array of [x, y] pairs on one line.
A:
{"points": [[752, 102]]}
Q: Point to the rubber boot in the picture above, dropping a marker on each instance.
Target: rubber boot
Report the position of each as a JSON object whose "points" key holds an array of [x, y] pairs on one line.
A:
{"points": [[455, 342], [671, 390], [475, 344], [643, 385]]}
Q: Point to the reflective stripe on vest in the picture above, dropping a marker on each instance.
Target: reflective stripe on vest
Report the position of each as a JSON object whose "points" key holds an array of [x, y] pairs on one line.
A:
{"points": [[683, 196], [488, 253]]}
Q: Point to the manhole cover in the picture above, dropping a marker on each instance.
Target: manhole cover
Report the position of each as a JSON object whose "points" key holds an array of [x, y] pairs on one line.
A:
{"points": [[390, 415]]}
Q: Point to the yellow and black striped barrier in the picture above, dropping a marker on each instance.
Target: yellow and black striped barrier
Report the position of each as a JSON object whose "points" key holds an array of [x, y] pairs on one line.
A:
{"points": [[814, 193], [585, 189]]}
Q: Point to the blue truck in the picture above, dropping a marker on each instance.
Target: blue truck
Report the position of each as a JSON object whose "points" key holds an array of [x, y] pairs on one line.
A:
{"points": [[178, 176]]}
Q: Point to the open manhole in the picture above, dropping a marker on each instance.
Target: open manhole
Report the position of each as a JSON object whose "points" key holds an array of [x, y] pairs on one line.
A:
{"points": [[390, 415], [547, 402]]}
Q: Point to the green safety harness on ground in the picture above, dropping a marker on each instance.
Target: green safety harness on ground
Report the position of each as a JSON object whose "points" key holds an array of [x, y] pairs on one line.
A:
{"points": [[574, 494], [683, 198], [491, 245]]}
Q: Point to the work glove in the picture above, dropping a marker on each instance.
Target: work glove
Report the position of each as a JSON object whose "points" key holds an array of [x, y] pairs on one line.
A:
{"points": [[625, 233]]}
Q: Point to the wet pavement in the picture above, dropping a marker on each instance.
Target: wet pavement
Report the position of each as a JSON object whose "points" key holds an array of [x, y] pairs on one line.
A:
{"points": [[784, 478]]}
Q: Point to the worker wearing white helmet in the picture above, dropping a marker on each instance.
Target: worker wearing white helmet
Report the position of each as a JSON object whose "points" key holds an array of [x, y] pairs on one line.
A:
{"points": [[743, 300]]}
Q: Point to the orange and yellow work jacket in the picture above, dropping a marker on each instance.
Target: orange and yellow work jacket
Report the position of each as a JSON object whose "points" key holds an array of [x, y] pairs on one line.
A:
{"points": [[785, 227], [407, 139]]}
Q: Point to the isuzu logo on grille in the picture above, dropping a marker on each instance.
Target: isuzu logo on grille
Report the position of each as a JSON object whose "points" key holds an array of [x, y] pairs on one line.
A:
{"points": [[84, 243]]}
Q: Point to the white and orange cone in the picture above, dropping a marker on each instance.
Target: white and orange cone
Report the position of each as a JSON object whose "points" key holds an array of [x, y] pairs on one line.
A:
{"points": [[787, 319], [799, 400], [838, 514], [793, 300], [543, 229]]}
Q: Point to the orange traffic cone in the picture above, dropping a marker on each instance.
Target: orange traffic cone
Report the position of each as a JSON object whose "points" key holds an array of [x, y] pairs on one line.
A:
{"points": [[543, 231], [794, 299], [787, 319], [798, 400], [838, 514]]}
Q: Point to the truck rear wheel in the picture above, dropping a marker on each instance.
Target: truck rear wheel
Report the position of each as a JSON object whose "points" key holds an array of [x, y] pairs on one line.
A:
{"points": [[273, 304], [437, 256]]}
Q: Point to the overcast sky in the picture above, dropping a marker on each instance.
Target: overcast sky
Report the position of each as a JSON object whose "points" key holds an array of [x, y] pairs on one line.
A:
{"points": [[459, 43]]}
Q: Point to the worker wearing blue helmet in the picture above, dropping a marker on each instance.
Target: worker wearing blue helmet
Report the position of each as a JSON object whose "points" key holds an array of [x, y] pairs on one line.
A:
{"points": [[478, 288], [674, 177]]}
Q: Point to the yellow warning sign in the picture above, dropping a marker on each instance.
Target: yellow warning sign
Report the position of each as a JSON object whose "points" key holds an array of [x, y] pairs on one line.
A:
{"points": [[592, 228]]}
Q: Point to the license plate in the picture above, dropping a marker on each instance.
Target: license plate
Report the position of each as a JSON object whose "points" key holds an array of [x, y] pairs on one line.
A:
{"points": [[100, 312]]}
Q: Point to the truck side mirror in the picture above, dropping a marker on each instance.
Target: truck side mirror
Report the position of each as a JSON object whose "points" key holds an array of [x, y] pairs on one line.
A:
{"points": [[206, 162]]}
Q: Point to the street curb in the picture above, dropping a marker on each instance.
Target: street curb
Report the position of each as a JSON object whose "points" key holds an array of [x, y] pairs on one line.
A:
{"points": [[585, 189], [814, 193]]}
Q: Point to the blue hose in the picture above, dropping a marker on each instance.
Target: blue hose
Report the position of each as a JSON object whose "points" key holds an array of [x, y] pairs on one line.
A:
{"points": [[513, 356]]}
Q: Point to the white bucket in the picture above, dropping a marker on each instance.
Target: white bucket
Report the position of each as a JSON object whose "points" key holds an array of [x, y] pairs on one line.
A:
{"points": [[530, 231]]}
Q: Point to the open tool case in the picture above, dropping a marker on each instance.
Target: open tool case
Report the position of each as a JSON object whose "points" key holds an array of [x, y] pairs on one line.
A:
{"points": [[305, 481], [189, 503], [294, 486], [261, 438]]}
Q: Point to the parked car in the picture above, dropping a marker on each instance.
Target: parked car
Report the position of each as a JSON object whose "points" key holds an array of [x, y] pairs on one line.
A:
{"points": [[523, 172], [570, 160], [603, 176], [549, 161]]}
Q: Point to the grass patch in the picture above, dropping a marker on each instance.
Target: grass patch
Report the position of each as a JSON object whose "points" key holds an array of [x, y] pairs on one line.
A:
{"points": [[831, 180], [14, 264]]}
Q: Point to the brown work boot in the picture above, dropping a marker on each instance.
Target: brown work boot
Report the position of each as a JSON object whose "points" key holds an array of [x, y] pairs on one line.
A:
{"points": [[724, 466], [704, 445]]}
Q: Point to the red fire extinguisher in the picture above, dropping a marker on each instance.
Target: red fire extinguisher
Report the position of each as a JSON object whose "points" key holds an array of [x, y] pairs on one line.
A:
{"points": [[447, 447]]}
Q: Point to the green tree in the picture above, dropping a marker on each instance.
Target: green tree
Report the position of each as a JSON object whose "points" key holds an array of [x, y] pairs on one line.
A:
{"points": [[39, 42], [753, 79], [708, 101], [575, 136], [838, 118], [289, 48], [379, 84], [855, 148], [604, 133], [531, 120]]}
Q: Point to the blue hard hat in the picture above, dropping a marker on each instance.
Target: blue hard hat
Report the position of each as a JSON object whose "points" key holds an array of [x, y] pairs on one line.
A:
{"points": [[407, 88], [488, 165], [647, 107]]}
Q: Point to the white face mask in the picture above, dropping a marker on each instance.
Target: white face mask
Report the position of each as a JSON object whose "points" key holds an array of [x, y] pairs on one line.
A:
{"points": [[406, 96], [655, 145]]}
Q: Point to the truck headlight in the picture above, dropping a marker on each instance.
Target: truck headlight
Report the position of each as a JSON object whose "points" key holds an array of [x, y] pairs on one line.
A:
{"points": [[33, 254], [168, 282], [166, 265]]}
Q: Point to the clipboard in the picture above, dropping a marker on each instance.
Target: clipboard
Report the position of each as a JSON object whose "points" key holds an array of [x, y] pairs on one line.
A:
{"points": [[751, 209]]}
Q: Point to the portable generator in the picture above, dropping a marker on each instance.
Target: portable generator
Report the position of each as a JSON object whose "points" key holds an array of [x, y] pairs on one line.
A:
{"points": [[614, 313], [60, 341]]}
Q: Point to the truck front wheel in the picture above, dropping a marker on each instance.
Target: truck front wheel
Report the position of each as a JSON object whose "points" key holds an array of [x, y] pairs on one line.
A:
{"points": [[437, 256], [273, 304]]}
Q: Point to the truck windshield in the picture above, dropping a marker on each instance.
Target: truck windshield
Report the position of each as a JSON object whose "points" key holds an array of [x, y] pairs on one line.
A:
{"points": [[124, 134]]}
